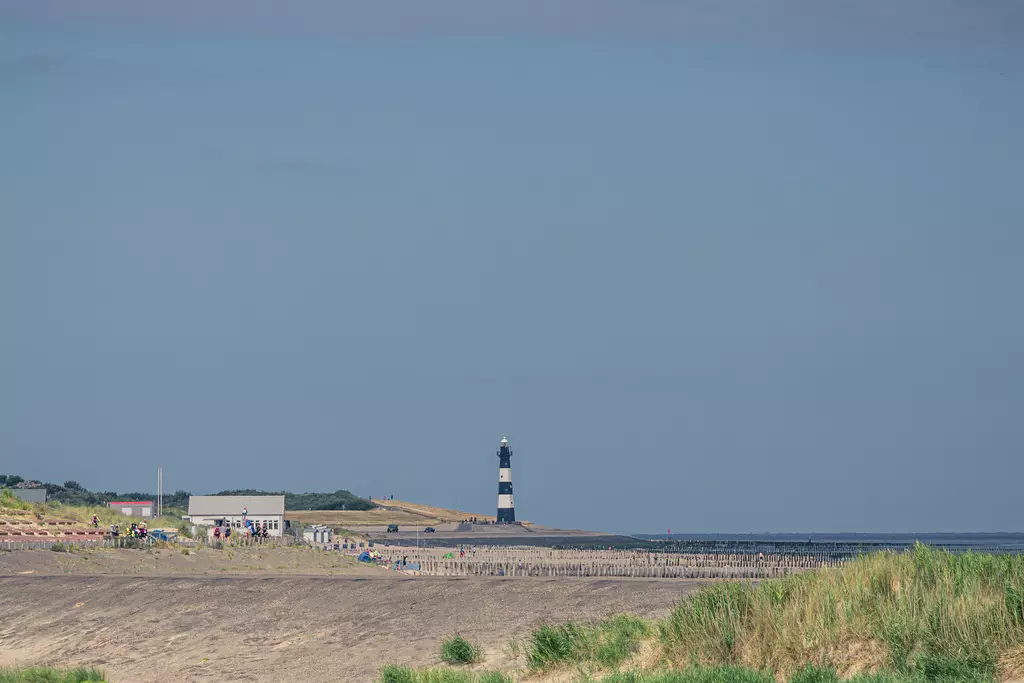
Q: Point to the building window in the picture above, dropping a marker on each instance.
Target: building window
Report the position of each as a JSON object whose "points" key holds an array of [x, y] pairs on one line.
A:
{"points": [[275, 525]]}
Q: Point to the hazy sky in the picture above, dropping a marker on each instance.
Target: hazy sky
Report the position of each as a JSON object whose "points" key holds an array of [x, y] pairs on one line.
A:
{"points": [[710, 268]]}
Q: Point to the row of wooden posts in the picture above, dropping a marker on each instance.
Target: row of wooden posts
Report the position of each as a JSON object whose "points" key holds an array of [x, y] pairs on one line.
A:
{"points": [[488, 561]]}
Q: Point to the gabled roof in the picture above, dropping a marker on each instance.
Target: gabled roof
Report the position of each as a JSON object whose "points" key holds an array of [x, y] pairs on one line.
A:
{"points": [[210, 506]]}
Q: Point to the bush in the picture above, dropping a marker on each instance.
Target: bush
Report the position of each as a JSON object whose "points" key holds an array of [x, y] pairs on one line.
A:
{"points": [[59, 547], [458, 650]]}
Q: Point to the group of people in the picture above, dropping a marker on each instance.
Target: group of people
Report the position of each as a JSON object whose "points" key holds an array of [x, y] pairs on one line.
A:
{"points": [[252, 530], [136, 530]]}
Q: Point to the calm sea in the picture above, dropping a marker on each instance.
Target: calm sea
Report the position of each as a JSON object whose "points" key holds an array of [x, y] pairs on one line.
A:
{"points": [[994, 542]]}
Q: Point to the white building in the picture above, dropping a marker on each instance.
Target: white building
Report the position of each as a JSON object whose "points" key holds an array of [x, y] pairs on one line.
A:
{"points": [[229, 511], [318, 534]]}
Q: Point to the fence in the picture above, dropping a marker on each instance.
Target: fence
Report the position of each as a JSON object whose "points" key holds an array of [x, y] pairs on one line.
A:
{"points": [[50, 543]]}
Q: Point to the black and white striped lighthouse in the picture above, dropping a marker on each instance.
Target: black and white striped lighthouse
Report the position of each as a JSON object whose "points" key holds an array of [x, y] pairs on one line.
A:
{"points": [[506, 506]]}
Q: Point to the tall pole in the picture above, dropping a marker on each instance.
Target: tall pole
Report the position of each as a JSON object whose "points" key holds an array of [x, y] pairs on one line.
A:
{"points": [[159, 491]]}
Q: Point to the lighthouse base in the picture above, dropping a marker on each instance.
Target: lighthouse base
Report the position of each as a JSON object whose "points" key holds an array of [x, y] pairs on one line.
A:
{"points": [[506, 515]]}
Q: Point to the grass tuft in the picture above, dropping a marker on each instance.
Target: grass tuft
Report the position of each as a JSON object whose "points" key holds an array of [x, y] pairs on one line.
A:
{"points": [[458, 650], [608, 644]]}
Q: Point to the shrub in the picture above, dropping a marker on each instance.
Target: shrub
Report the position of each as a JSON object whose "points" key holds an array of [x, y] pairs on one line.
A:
{"points": [[458, 650], [59, 547]]}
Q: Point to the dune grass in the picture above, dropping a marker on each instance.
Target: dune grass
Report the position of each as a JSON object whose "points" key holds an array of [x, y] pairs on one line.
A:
{"points": [[405, 674], [927, 611], [458, 650], [734, 674], [607, 644], [50, 675]]}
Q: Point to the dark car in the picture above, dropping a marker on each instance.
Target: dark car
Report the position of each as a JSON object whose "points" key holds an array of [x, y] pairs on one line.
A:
{"points": [[429, 530], [392, 528]]}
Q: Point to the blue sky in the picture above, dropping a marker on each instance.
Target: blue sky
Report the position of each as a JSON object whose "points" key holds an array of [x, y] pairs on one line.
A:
{"points": [[714, 268]]}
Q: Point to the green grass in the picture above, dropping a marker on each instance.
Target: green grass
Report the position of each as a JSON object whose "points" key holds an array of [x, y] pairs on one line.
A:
{"points": [[929, 612], [48, 675], [458, 650], [607, 644], [405, 674], [735, 674]]}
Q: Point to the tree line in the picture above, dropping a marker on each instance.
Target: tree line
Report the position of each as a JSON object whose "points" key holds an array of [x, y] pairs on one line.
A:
{"points": [[73, 493]]}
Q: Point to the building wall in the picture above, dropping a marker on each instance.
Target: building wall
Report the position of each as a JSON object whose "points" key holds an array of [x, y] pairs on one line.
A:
{"points": [[144, 511], [30, 495], [275, 523]]}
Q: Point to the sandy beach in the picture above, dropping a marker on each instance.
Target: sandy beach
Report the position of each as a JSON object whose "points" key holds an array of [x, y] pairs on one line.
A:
{"points": [[147, 618]]}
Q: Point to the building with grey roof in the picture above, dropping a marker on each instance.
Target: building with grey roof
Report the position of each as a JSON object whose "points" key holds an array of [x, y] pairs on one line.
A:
{"points": [[234, 510]]}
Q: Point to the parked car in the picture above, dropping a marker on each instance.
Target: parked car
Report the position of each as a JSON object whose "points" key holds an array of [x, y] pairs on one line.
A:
{"points": [[429, 530], [392, 528]]}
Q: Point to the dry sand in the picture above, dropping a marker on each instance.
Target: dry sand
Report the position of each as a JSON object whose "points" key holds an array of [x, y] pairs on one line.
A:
{"points": [[170, 617]]}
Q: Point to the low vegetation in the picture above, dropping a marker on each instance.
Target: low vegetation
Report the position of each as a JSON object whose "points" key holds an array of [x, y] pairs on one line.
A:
{"points": [[48, 675], [607, 644], [925, 611], [733, 674], [458, 650], [404, 674]]}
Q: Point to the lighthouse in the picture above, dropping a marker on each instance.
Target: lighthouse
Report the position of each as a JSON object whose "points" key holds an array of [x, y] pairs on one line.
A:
{"points": [[506, 506]]}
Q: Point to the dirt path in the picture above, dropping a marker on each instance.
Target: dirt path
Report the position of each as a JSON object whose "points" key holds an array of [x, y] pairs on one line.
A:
{"points": [[287, 628]]}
